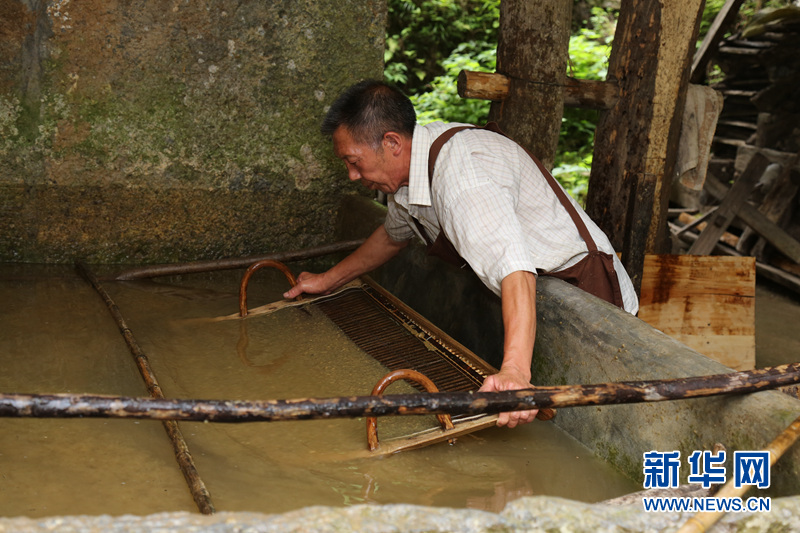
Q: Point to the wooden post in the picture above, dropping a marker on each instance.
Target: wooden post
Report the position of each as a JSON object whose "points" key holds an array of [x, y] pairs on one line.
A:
{"points": [[533, 45], [650, 61]]}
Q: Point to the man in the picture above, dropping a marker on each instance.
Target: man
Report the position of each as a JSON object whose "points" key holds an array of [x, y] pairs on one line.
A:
{"points": [[486, 197]]}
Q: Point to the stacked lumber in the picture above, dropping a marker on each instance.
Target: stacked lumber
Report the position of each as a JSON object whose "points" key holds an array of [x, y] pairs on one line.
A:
{"points": [[750, 196]]}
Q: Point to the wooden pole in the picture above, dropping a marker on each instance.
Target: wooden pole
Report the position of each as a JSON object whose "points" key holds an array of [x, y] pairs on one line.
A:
{"points": [[198, 489], [704, 520], [452, 403], [233, 263]]}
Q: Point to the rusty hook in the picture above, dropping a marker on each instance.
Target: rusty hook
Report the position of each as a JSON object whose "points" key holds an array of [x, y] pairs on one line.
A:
{"points": [[388, 379], [251, 270]]}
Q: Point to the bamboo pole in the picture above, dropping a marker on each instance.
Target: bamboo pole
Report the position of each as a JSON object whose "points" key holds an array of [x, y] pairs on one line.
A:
{"points": [[233, 263], [700, 522], [453, 403], [198, 489]]}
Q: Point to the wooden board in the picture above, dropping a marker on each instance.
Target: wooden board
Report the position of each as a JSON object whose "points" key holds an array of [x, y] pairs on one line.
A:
{"points": [[705, 302]]}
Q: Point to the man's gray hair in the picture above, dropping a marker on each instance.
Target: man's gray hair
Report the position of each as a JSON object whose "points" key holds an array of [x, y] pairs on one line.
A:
{"points": [[370, 109]]}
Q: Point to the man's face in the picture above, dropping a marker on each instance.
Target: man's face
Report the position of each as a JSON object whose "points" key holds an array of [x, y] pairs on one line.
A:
{"points": [[376, 169]]}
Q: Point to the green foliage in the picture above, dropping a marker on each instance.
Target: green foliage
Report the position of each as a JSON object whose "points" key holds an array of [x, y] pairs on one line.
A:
{"points": [[442, 101], [589, 49], [430, 41], [422, 34]]}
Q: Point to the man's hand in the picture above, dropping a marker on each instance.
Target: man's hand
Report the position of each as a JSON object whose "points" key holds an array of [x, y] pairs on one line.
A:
{"points": [[309, 283], [518, 296], [374, 252], [509, 378]]}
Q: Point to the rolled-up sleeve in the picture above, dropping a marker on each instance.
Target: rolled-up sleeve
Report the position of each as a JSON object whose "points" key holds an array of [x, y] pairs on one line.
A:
{"points": [[398, 222]]}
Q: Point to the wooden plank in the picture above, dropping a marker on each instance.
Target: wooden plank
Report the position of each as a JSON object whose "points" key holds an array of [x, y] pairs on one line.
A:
{"points": [[780, 239], [745, 152], [705, 302], [729, 206], [779, 276], [714, 36]]}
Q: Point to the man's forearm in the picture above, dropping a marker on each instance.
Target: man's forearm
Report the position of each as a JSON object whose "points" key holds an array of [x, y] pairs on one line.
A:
{"points": [[375, 251], [518, 293]]}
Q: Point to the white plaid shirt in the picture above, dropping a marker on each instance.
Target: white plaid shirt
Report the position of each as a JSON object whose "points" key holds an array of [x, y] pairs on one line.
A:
{"points": [[495, 206]]}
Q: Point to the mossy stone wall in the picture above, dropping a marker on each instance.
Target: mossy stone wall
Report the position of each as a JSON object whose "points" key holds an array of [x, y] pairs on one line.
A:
{"points": [[138, 131]]}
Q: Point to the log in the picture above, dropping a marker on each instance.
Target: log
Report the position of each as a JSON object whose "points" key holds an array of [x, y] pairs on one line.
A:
{"points": [[233, 263], [482, 85], [197, 487], [591, 94], [700, 224], [452, 403]]}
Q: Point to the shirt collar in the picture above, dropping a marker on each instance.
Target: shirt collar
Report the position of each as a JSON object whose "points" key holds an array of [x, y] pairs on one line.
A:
{"points": [[419, 192]]}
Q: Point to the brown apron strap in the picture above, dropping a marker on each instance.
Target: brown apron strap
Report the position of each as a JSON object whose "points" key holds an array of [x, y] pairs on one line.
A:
{"points": [[436, 147], [422, 231]]}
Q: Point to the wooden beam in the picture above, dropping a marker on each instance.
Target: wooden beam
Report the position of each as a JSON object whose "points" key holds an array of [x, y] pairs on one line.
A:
{"points": [[636, 232], [777, 206], [716, 32], [730, 206], [591, 94], [750, 215]]}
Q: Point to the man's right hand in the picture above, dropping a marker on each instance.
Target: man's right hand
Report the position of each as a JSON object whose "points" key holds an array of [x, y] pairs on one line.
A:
{"points": [[309, 283]]}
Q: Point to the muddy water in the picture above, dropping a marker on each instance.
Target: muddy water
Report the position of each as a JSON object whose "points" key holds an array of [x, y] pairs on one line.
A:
{"points": [[56, 335]]}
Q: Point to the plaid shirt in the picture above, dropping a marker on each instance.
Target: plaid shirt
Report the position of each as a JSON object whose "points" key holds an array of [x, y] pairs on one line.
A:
{"points": [[495, 206]]}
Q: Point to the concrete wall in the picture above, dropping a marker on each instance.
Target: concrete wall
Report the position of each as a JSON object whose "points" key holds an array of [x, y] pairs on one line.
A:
{"points": [[135, 131]]}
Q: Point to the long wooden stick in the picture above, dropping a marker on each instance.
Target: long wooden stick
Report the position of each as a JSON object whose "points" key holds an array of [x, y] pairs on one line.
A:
{"points": [[198, 489], [700, 522], [453, 403], [233, 263]]}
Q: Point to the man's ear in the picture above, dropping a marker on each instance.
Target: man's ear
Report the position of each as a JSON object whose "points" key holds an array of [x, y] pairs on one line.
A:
{"points": [[393, 142]]}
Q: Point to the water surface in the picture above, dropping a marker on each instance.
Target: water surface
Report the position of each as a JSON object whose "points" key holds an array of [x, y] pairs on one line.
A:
{"points": [[56, 336]]}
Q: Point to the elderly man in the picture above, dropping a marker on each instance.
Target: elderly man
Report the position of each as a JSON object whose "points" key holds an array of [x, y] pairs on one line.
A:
{"points": [[484, 199]]}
